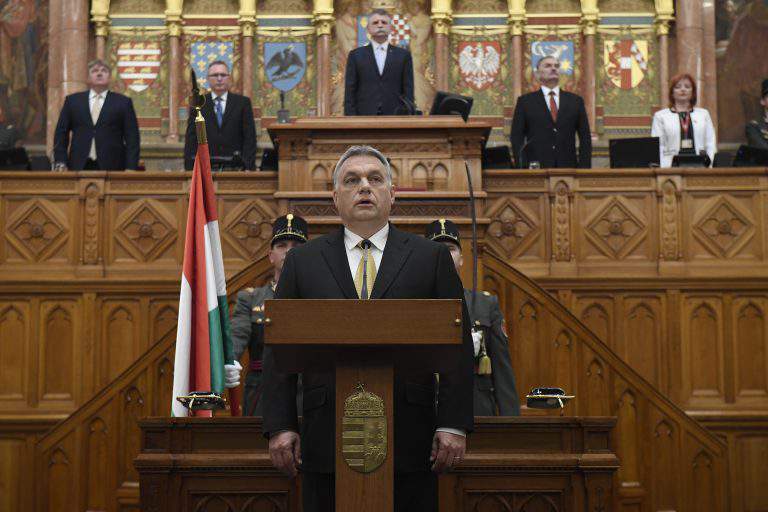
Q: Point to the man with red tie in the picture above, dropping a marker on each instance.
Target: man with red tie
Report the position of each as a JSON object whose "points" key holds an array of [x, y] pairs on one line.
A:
{"points": [[546, 121]]}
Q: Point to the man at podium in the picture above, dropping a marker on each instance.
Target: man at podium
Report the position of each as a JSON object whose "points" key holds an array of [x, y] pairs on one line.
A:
{"points": [[368, 258]]}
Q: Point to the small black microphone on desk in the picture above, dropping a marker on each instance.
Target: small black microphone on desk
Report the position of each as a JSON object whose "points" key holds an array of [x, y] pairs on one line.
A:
{"points": [[520, 153]]}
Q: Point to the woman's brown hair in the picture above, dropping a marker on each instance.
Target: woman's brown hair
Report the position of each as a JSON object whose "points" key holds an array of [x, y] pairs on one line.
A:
{"points": [[674, 81]]}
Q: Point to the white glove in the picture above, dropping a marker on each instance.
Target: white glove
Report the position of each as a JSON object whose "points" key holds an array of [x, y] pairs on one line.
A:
{"points": [[232, 374], [477, 338]]}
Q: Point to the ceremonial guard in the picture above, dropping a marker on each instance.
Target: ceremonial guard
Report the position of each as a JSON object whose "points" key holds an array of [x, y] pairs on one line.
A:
{"points": [[494, 387], [757, 129], [247, 321]]}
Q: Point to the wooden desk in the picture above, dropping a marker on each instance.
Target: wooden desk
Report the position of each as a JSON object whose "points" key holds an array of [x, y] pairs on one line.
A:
{"points": [[544, 463]]}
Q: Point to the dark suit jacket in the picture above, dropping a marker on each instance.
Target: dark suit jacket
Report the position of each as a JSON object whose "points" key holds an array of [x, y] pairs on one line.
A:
{"points": [[551, 144], [412, 267], [367, 93], [116, 132], [237, 132]]}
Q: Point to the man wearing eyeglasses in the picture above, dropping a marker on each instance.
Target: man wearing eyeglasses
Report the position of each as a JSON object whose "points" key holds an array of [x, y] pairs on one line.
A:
{"points": [[228, 122]]}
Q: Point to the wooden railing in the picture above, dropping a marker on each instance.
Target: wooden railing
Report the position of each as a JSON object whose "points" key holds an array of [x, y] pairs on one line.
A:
{"points": [[668, 460]]}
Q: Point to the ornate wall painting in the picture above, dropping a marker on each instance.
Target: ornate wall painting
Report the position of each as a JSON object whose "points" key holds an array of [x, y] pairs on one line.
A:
{"points": [[140, 71], [400, 35], [626, 83], [202, 53], [565, 48], [285, 65], [741, 29], [479, 67], [24, 67]]}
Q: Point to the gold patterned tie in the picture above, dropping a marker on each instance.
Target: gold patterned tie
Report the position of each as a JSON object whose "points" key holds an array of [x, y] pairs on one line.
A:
{"points": [[366, 270]]}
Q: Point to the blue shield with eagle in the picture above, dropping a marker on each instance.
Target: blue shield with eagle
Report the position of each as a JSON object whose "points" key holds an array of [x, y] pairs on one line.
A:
{"points": [[285, 64]]}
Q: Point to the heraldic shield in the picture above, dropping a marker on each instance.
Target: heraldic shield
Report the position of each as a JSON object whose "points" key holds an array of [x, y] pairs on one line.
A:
{"points": [[364, 431]]}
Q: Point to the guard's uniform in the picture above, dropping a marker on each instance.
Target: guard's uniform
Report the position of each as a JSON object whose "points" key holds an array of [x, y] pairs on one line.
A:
{"points": [[757, 133], [757, 129], [248, 319], [248, 332], [494, 384], [495, 392]]}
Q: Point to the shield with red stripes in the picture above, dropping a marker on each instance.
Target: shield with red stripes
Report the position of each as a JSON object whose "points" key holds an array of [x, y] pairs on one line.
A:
{"points": [[626, 62], [138, 64]]}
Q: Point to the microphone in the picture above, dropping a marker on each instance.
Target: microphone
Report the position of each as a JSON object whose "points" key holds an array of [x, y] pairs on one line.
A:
{"points": [[520, 153]]}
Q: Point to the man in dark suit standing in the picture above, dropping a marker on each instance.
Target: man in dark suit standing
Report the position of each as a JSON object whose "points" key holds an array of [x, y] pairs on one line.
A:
{"points": [[379, 76], [546, 121], [428, 439], [228, 122], [102, 125]]}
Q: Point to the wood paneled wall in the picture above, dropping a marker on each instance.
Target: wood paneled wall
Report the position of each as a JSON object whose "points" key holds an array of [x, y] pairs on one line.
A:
{"points": [[668, 267]]}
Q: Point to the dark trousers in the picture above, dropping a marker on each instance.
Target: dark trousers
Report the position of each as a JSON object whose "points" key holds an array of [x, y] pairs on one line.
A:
{"points": [[414, 492]]}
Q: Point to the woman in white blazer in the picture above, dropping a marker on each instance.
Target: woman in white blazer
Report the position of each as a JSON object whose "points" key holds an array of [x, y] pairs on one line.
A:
{"points": [[682, 126]]}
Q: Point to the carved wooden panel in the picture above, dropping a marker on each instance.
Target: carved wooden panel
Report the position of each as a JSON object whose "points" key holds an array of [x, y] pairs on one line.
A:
{"points": [[11, 487], [145, 230], [245, 227], [39, 229], [61, 474], [702, 350], [59, 353], [724, 226], [641, 342], [597, 313], [752, 452], [665, 453], [15, 349], [120, 336], [750, 340], [616, 227], [517, 229], [97, 456]]}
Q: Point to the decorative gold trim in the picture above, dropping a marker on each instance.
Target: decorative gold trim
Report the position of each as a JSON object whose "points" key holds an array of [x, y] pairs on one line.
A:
{"points": [[285, 31], [283, 16]]}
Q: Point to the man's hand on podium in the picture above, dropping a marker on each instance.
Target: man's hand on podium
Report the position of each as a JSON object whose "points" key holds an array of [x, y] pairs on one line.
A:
{"points": [[285, 452], [232, 374], [447, 451]]}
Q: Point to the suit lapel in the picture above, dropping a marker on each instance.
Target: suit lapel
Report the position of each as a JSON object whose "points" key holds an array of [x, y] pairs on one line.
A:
{"points": [[85, 104], [335, 255], [107, 104], [372, 59], [388, 59], [395, 255], [227, 110]]}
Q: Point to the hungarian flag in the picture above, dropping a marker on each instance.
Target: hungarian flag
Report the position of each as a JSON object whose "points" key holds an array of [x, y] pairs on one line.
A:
{"points": [[203, 337]]}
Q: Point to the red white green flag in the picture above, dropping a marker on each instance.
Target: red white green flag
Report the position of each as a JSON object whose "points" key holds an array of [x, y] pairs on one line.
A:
{"points": [[203, 336]]}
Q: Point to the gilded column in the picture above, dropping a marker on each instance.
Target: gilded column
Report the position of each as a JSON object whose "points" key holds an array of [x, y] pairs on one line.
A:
{"points": [[690, 38], [100, 19], [442, 17], [247, 19], [173, 10], [516, 22], [322, 17], [664, 15], [589, 18]]}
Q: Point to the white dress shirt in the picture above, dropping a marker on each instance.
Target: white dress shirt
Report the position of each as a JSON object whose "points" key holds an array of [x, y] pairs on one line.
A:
{"points": [[91, 101], [380, 52], [355, 254], [546, 90]]}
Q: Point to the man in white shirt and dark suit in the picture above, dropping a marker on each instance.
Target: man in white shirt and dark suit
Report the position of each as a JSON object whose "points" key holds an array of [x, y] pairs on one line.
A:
{"points": [[97, 128], [379, 76], [368, 258], [546, 122], [229, 122]]}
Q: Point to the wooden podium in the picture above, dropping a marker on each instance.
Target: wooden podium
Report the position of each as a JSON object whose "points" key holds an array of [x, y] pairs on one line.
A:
{"points": [[364, 341]]}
